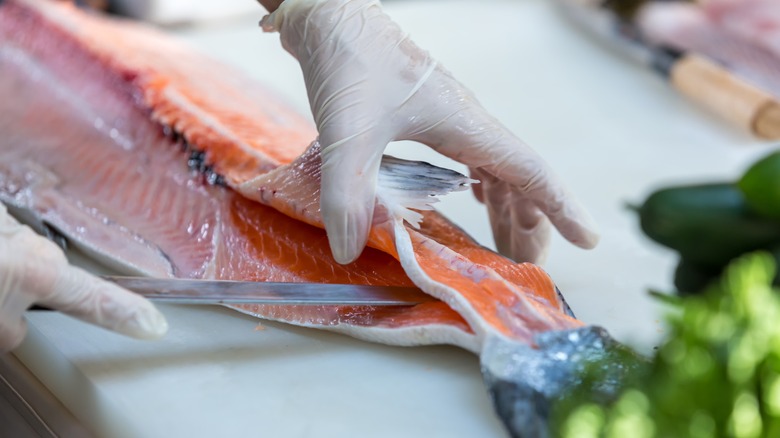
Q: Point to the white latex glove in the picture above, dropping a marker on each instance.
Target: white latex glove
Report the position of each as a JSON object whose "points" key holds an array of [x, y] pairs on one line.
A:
{"points": [[33, 270], [368, 85]]}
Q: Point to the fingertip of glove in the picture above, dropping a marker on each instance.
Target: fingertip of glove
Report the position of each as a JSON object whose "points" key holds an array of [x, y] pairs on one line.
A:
{"points": [[583, 230], [346, 254], [146, 323], [592, 241], [267, 24], [12, 335], [587, 239], [348, 233], [582, 234], [347, 246]]}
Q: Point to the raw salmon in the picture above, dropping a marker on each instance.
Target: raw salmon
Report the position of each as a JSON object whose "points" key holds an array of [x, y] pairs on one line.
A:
{"points": [[98, 112], [159, 161]]}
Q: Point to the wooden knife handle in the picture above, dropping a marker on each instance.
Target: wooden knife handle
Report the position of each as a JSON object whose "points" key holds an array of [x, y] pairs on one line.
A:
{"points": [[716, 88]]}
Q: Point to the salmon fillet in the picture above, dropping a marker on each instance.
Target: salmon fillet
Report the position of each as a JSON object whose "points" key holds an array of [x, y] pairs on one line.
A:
{"points": [[160, 161]]}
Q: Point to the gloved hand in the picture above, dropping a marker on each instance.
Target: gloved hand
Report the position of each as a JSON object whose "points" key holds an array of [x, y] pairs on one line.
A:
{"points": [[368, 85], [35, 270]]}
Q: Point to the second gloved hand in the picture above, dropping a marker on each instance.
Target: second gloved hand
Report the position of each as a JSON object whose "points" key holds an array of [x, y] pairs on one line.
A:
{"points": [[35, 270], [368, 85]]}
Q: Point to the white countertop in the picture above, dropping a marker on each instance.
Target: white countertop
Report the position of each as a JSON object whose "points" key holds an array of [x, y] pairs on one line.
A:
{"points": [[613, 131]]}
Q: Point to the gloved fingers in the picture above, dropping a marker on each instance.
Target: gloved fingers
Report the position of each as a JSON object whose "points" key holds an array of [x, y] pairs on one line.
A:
{"points": [[496, 198], [348, 191], [14, 239], [520, 230], [34, 270], [365, 79], [12, 331], [91, 299], [477, 188], [27, 261], [559, 206], [476, 139], [530, 234], [13, 303]]}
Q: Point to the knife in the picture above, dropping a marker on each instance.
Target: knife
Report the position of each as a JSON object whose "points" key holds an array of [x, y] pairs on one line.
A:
{"points": [[189, 291], [698, 78]]}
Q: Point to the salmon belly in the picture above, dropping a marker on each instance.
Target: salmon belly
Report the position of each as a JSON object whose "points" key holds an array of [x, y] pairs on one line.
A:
{"points": [[158, 161]]}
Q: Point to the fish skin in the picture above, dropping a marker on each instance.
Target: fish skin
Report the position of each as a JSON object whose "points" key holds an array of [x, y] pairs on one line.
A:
{"points": [[132, 177], [525, 383]]}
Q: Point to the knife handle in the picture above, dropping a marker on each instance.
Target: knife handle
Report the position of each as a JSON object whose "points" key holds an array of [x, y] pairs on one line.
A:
{"points": [[722, 92]]}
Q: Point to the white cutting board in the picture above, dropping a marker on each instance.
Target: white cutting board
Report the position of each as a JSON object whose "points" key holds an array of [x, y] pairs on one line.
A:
{"points": [[613, 132]]}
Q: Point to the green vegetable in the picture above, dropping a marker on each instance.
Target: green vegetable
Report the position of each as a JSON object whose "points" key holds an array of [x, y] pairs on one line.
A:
{"points": [[761, 186], [691, 278], [716, 375], [708, 224]]}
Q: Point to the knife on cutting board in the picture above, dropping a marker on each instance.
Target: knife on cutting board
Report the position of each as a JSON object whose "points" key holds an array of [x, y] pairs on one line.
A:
{"points": [[193, 291], [698, 78]]}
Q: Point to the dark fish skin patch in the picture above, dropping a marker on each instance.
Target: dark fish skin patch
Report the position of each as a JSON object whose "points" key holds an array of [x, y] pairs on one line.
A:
{"points": [[196, 159]]}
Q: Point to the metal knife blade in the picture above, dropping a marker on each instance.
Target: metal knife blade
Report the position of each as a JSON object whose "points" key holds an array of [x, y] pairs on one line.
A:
{"points": [[188, 291]]}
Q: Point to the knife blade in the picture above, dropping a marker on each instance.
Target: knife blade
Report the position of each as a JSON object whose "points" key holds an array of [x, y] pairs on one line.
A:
{"points": [[190, 291]]}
